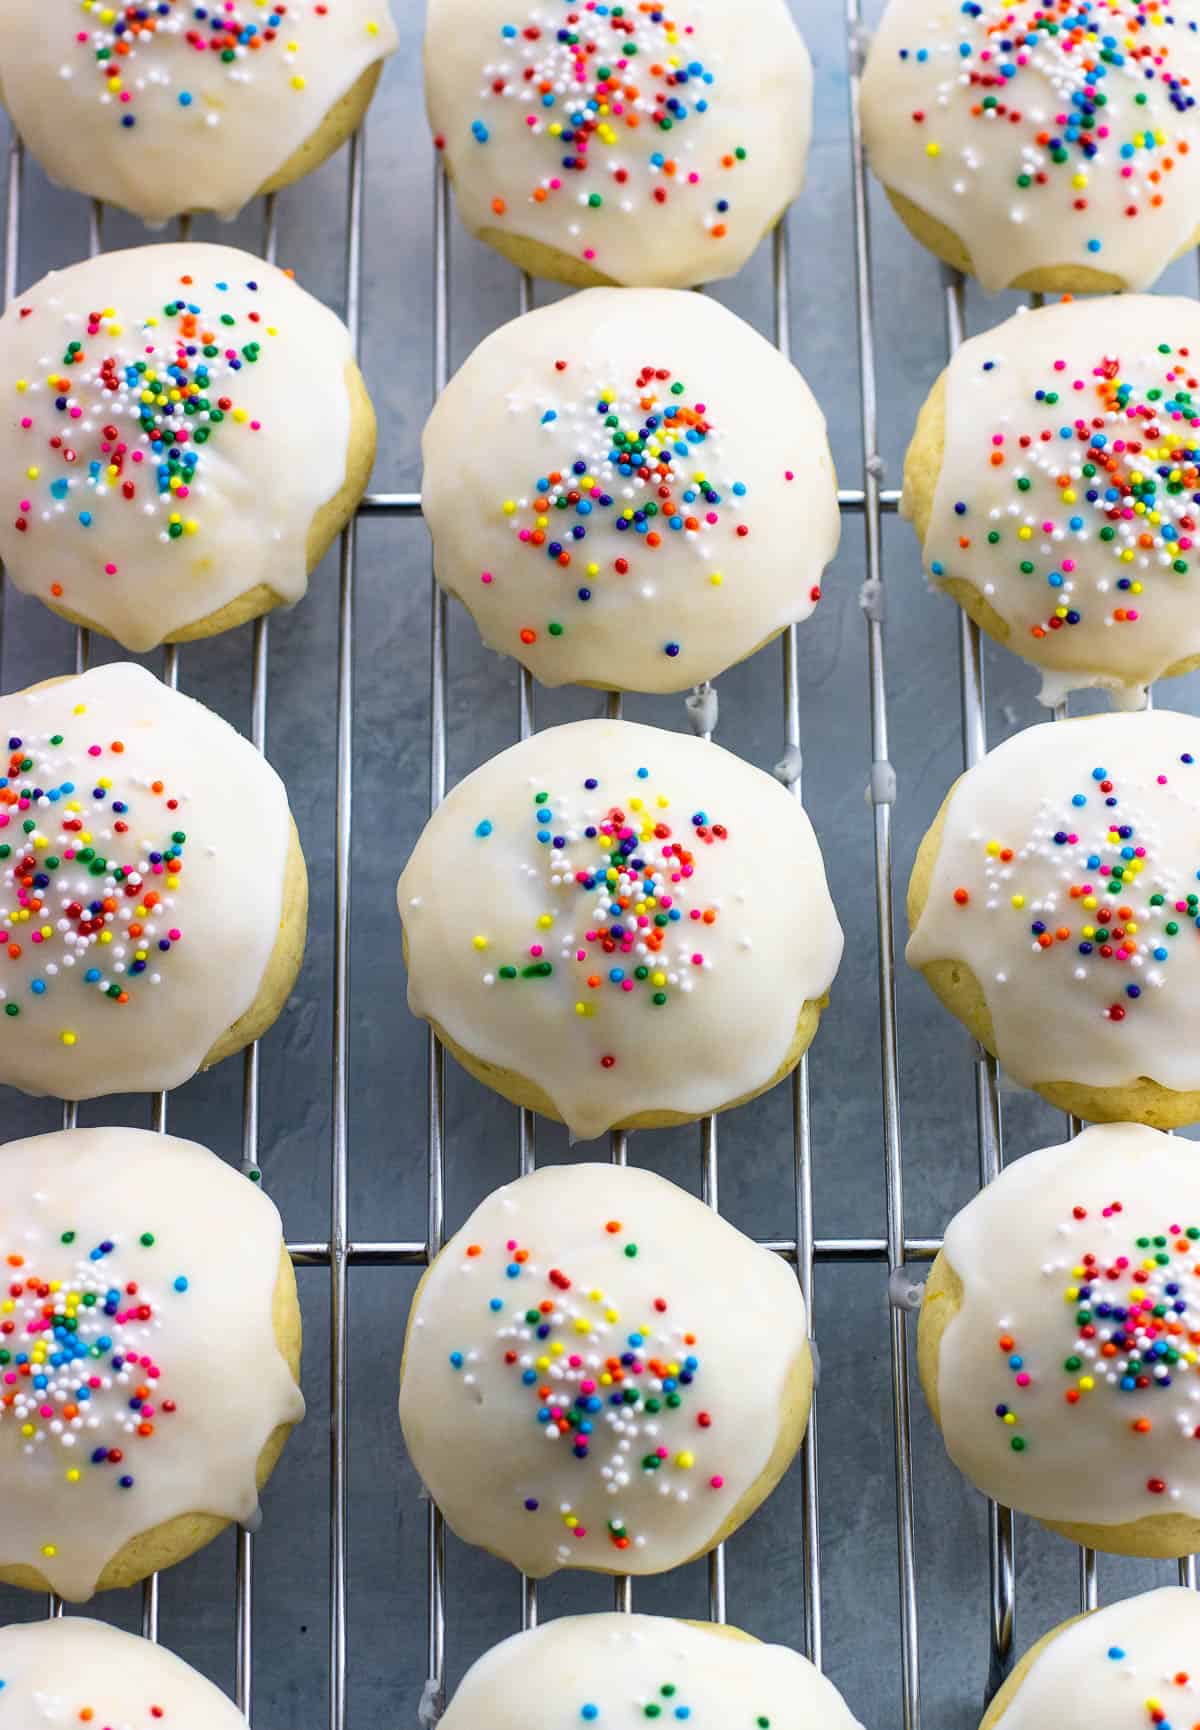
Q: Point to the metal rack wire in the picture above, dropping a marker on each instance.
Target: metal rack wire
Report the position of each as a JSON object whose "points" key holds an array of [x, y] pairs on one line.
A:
{"points": [[339, 1252]]}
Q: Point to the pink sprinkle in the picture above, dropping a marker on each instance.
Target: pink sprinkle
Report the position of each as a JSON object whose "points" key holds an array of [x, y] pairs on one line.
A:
{"points": [[581, 1531], [535, 949], [1131, 615], [716, 1483], [93, 750], [788, 475], [26, 505], [1023, 1379], [589, 252], [255, 426], [697, 960], [1060, 365], [76, 413], [26, 423], [174, 934], [46, 1411], [627, 985], [661, 1452], [110, 570], [693, 179], [485, 577], [1068, 564], [1162, 780]]}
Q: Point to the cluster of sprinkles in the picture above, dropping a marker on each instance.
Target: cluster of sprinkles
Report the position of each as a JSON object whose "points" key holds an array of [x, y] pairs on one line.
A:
{"points": [[1134, 1319], [1104, 489], [619, 1397], [78, 1381], [232, 34], [1156, 1707], [1123, 914], [614, 96], [640, 931], [1109, 67], [88, 880], [119, 420], [639, 482]]}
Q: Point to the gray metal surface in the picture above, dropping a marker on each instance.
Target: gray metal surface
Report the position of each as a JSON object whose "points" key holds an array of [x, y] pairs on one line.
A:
{"points": [[352, 1606]]}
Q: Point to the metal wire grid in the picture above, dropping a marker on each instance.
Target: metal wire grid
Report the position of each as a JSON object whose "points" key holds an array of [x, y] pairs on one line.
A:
{"points": [[871, 501]]}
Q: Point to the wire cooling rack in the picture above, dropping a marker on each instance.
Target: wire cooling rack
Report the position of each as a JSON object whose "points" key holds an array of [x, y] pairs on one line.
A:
{"points": [[867, 505]]}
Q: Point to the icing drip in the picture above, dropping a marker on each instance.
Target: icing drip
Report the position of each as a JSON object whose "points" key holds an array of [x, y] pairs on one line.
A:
{"points": [[1067, 880], [1069, 1379], [1043, 132], [1130, 1666], [595, 128], [637, 1670], [160, 400], [563, 1352]]}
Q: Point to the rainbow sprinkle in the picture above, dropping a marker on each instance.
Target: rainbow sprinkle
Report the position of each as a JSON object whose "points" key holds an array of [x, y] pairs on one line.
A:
{"points": [[121, 418], [1134, 1333], [608, 93], [78, 1377], [123, 39], [1129, 914], [621, 1398], [1105, 481], [650, 435], [644, 926], [71, 916], [1105, 62]]}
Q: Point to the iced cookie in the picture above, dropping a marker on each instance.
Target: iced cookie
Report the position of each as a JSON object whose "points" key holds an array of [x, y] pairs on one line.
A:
{"points": [[73, 1671]]}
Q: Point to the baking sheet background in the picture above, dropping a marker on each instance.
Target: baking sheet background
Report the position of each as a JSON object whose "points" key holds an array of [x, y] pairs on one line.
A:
{"points": [[387, 1048]]}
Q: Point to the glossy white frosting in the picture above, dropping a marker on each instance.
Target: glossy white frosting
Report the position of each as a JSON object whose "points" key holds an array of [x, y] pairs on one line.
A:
{"points": [[1063, 1009], [102, 513], [185, 127], [1117, 1669], [1034, 1370], [664, 199], [543, 1680], [961, 103], [637, 1287], [186, 1395], [51, 1673], [734, 467], [172, 975], [737, 955], [1071, 439]]}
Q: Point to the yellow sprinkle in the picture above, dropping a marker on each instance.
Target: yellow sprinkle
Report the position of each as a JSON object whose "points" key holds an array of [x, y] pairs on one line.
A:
{"points": [[545, 921], [933, 148], [49, 1550], [1086, 1383], [585, 1009], [22, 386], [33, 473], [67, 1037], [372, 27], [26, 1429], [1010, 1418], [1018, 901], [106, 937], [686, 1460], [73, 1475], [298, 81]]}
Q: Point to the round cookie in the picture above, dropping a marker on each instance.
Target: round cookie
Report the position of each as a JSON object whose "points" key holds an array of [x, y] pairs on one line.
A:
{"points": [[1058, 1334], [1052, 907], [620, 144], [1050, 147], [71, 1670], [153, 897], [619, 1671], [149, 1355], [1051, 480], [186, 432], [168, 107], [604, 1311], [1124, 1665], [602, 924], [630, 488]]}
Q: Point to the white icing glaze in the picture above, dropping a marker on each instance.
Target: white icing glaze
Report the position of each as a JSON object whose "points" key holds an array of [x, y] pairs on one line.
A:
{"points": [[734, 467], [52, 1672], [1117, 1669], [959, 102], [121, 530], [1032, 405], [1033, 1370], [542, 1680], [197, 957], [1052, 1004], [646, 1291], [663, 199], [185, 127], [216, 1384], [740, 951]]}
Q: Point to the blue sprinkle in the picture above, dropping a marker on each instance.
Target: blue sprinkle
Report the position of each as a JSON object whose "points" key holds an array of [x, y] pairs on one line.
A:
{"points": [[181, 1283], [483, 830]]}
